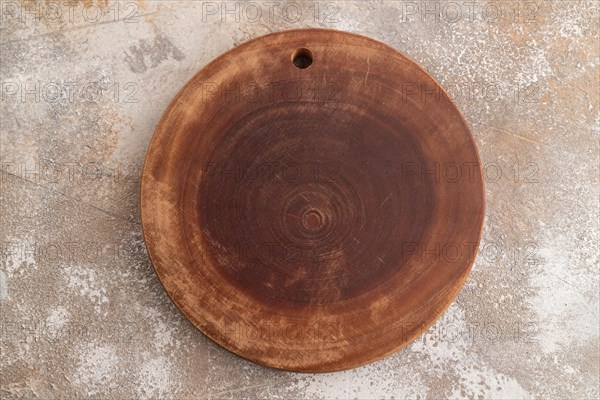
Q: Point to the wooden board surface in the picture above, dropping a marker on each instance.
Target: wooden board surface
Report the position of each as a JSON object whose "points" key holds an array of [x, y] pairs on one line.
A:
{"points": [[312, 200]]}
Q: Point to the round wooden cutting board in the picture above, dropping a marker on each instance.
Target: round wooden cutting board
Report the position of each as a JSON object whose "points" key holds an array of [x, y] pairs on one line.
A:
{"points": [[312, 200]]}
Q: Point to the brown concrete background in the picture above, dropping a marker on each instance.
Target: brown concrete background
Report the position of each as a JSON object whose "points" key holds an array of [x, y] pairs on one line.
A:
{"points": [[82, 313]]}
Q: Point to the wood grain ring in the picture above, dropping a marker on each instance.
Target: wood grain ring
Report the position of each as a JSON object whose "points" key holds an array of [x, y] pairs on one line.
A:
{"points": [[312, 200]]}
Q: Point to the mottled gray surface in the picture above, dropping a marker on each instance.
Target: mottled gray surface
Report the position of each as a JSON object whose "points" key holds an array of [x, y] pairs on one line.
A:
{"points": [[83, 86]]}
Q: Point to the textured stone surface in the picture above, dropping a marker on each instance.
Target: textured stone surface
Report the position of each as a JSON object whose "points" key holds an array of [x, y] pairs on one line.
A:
{"points": [[81, 311]]}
